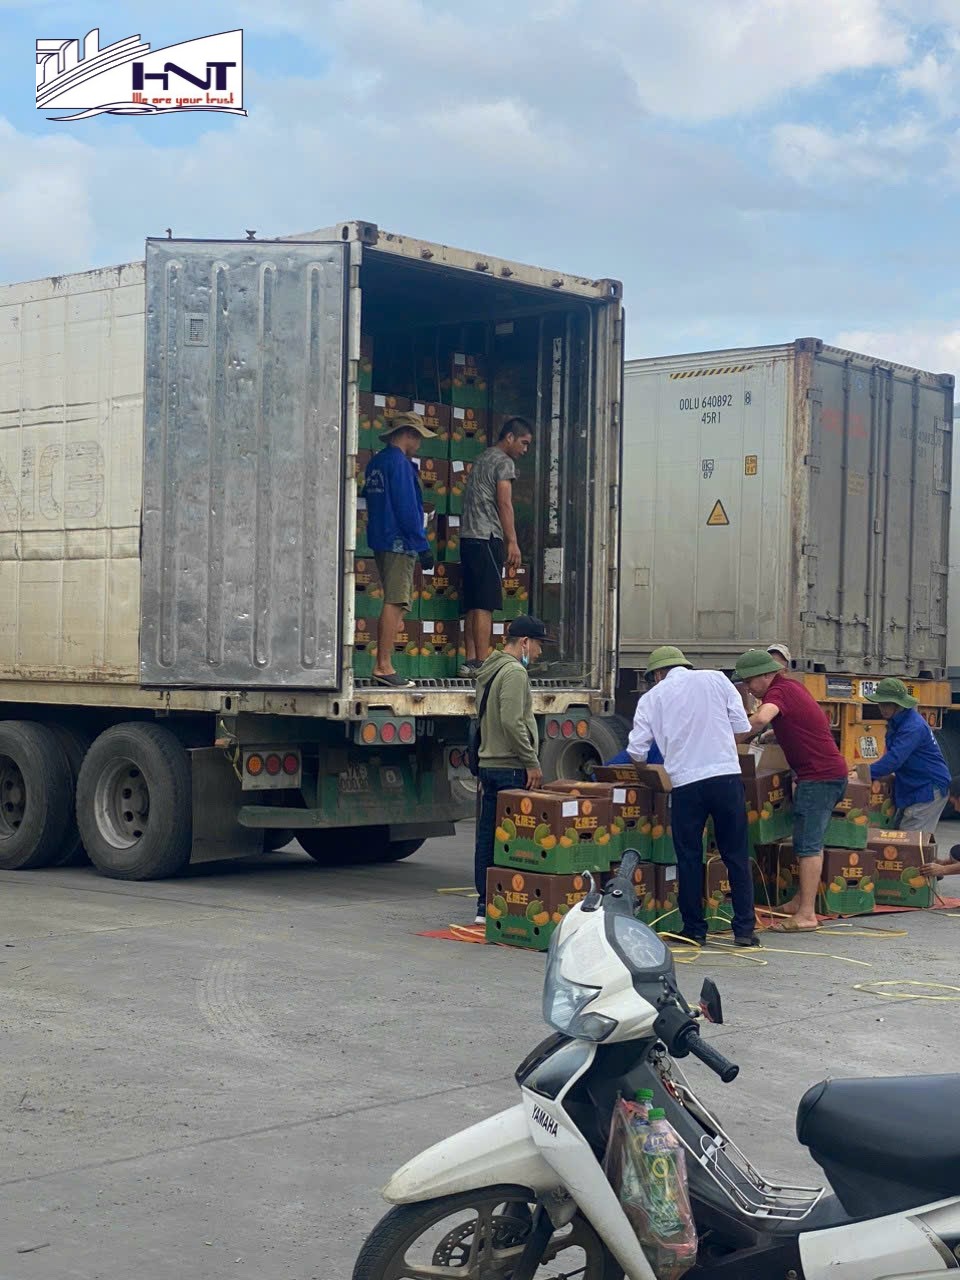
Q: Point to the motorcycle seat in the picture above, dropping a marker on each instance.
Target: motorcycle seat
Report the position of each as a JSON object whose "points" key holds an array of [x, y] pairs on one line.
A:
{"points": [[906, 1129]]}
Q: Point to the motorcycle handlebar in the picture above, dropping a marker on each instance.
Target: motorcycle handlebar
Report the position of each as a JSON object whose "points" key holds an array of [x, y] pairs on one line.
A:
{"points": [[710, 1057], [623, 880]]}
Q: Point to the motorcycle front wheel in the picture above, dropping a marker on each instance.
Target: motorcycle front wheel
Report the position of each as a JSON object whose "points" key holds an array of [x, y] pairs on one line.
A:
{"points": [[478, 1235]]}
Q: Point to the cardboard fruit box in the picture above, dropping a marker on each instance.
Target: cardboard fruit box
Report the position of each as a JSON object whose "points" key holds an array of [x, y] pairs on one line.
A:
{"points": [[459, 475], [365, 364], [367, 588], [363, 457], [406, 649], [900, 857], [631, 810], [552, 833], [434, 481], [656, 890], [848, 827], [516, 593], [766, 785], [468, 380], [879, 805], [657, 780], [439, 592], [763, 864], [617, 773], [439, 649], [468, 433], [448, 538], [717, 903], [847, 882], [363, 546], [525, 907], [375, 410], [436, 418]]}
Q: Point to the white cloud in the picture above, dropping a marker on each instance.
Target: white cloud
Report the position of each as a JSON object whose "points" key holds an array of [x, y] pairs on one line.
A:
{"points": [[888, 154], [937, 350], [45, 204]]}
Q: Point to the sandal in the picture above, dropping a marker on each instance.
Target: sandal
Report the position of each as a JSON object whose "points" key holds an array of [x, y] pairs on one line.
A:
{"points": [[791, 926], [393, 681]]}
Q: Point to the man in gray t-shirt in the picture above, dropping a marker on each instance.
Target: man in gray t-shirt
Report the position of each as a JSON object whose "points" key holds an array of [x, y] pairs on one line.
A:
{"points": [[488, 536]]}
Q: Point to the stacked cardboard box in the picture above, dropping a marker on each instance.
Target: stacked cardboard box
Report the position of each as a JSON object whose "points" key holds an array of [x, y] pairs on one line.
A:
{"points": [[847, 882], [766, 784], [900, 856], [555, 837], [375, 411], [631, 810], [406, 649], [516, 593], [436, 418], [525, 907], [440, 652], [367, 588], [434, 481], [849, 823], [656, 889], [365, 367], [468, 434], [439, 591]]}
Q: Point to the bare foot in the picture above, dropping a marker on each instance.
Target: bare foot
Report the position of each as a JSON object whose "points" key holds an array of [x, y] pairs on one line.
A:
{"points": [[789, 908]]}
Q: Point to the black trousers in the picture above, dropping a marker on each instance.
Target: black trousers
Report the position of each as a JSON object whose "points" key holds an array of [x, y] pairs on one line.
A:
{"points": [[722, 799]]}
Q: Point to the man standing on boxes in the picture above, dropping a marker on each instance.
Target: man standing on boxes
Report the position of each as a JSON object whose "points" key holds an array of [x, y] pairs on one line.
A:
{"points": [[694, 716], [509, 739], [488, 537], [921, 780], [801, 728], [395, 532]]}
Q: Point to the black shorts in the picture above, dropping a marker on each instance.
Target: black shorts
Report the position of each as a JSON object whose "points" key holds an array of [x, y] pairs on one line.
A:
{"points": [[482, 561]]}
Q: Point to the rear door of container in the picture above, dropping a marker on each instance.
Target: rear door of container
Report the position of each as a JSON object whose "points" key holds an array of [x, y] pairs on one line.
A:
{"points": [[243, 464], [876, 541]]}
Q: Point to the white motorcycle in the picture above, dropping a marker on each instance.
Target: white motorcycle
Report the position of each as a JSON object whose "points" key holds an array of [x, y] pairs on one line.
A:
{"points": [[523, 1195]]}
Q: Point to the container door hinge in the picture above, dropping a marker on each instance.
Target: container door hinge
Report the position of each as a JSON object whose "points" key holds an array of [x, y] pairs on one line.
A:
{"points": [[810, 549], [812, 460], [614, 497]]}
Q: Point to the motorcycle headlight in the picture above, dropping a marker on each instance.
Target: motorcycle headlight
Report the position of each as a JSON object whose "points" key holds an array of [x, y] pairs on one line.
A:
{"points": [[564, 1002]]}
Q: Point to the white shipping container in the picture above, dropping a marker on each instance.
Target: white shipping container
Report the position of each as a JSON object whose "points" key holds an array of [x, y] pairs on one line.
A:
{"points": [[797, 493]]}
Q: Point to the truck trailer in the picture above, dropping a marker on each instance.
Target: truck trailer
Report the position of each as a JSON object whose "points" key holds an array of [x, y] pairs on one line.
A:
{"points": [[797, 493], [184, 664]]}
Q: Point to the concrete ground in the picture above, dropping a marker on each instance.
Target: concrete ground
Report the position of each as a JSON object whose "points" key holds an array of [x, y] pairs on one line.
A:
{"points": [[212, 1077]]}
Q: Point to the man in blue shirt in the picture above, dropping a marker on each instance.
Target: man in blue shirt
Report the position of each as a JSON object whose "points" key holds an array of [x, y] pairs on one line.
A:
{"points": [[921, 777], [395, 531]]}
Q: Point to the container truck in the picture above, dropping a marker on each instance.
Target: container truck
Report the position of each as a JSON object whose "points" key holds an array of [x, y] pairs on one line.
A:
{"points": [[796, 493], [180, 523]]}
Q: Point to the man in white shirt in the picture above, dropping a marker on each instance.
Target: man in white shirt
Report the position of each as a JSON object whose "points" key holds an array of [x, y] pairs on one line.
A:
{"points": [[694, 716]]}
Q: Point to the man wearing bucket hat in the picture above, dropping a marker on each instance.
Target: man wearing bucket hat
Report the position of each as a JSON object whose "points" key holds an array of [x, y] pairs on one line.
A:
{"points": [[395, 531], [921, 777], [694, 716], [803, 732]]}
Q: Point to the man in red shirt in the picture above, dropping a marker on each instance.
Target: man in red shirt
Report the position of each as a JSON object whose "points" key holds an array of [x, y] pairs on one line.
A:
{"points": [[803, 732]]}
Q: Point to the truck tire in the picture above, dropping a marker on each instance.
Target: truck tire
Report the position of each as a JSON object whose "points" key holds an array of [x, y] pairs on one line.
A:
{"points": [[76, 745], [134, 803], [354, 846], [36, 796], [575, 757]]}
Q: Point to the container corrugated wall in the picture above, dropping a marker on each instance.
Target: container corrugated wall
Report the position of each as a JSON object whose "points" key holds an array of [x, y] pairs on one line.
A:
{"points": [[796, 493]]}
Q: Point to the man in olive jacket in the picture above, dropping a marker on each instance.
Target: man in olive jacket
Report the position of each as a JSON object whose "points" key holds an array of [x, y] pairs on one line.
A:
{"points": [[509, 741]]}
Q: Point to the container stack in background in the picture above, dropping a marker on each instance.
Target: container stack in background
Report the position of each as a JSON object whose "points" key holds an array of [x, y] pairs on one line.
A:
{"points": [[431, 645]]}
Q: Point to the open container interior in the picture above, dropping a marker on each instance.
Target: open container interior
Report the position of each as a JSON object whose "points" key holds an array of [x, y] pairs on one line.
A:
{"points": [[539, 353]]}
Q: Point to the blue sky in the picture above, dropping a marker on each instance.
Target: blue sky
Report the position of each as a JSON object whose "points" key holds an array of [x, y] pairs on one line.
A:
{"points": [[754, 170]]}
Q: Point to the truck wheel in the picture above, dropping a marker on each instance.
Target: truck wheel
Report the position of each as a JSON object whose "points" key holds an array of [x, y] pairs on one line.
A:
{"points": [[134, 801], [76, 745], [575, 757], [36, 796], [354, 846]]}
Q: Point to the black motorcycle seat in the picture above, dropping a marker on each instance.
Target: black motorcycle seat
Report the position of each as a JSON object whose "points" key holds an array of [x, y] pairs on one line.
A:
{"points": [[903, 1128]]}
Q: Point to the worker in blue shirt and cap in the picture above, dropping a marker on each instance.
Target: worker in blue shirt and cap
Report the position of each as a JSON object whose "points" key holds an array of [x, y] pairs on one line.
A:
{"points": [[921, 777]]}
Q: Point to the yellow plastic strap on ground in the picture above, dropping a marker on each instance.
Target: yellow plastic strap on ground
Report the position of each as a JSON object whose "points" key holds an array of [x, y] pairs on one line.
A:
{"points": [[468, 891], [881, 989]]}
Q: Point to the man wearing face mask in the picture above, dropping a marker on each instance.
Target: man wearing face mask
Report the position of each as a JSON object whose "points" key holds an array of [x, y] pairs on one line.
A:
{"points": [[509, 742]]}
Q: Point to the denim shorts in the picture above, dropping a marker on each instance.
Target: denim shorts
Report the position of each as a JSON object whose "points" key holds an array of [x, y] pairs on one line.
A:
{"points": [[813, 803]]}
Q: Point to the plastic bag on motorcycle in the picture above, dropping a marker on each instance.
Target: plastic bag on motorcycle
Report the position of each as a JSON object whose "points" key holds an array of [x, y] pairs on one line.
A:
{"points": [[651, 1182]]}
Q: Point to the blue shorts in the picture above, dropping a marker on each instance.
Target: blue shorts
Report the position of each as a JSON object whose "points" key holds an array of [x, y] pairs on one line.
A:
{"points": [[813, 804]]}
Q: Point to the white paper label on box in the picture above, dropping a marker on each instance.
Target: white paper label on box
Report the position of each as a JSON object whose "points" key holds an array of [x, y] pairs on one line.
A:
{"points": [[380, 401], [669, 873], [570, 808], [416, 462], [420, 408], [459, 414], [619, 795], [453, 522], [459, 359], [428, 628], [498, 628], [427, 573], [457, 466], [361, 504]]}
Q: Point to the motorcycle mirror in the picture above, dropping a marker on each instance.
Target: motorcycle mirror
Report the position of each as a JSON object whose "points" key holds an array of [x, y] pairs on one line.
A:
{"points": [[711, 1005]]}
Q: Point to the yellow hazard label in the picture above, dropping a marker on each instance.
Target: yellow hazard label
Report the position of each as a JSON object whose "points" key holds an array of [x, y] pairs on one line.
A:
{"points": [[750, 464], [718, 515]]}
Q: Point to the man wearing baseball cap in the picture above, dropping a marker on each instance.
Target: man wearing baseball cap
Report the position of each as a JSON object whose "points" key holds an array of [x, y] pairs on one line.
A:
{"points": [[801, 728], [694, 716], [921, 778], [781, 653], [395, 531], [509, 739]]}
